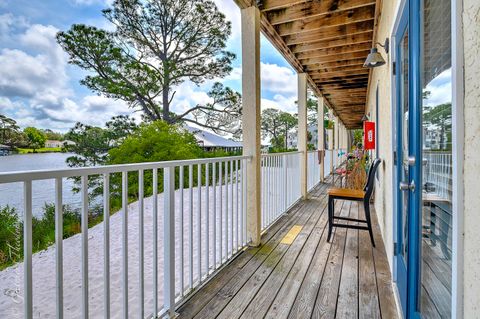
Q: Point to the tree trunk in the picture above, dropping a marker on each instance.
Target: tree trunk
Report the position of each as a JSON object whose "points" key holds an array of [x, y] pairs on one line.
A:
{"points": [[166, 104]]}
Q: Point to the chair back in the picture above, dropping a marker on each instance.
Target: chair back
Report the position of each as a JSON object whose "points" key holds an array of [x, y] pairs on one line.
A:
{"points": [[371, 179]]}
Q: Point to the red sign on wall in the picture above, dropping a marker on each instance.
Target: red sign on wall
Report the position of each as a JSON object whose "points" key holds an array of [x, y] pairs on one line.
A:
{"points": [[369, 135]]}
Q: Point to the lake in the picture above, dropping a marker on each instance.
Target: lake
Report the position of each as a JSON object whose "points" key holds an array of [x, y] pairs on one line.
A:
{"points": [[43, 191]]}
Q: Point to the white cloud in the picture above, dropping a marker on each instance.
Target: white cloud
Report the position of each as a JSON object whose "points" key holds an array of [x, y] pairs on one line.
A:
{"points": [[232, 13], [39, 72], [278, 79], [440, 89]]}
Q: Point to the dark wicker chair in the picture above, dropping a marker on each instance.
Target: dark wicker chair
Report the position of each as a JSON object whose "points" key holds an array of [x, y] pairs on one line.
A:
{"points": [[353, 195]]}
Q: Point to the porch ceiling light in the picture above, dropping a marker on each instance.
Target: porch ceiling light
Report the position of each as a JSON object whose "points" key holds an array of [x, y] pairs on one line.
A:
{"points": [[374, 58]]}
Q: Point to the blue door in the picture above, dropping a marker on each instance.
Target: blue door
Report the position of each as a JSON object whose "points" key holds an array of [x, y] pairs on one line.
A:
{"points": [[401, 46], [408, 156]]}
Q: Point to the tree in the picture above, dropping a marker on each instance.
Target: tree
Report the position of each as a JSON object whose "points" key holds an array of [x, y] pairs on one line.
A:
{"points": [[287, 122], [276, 124], [270, 123], [36, 138], [9, 131], [441, 117], [156, 46], [51, 135], [153, 142]]}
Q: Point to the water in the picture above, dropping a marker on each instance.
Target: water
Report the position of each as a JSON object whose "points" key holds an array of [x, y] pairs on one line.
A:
{"points": [[43, 191]]}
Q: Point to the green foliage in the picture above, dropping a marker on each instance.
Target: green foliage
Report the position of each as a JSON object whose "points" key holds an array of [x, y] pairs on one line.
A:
{"points": [[440, 116], [156, 46], [276, 124], [36, 138], [51, 135], [357, 137], [154, 142], [10, 133], [43, 232], [40, 150]]}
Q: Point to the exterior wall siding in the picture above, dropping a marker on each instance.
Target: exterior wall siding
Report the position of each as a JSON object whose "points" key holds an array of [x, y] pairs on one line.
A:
{"points": [[471, 263], [381, 78]]}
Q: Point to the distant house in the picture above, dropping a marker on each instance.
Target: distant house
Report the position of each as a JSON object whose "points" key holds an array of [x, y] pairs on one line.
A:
{"points": [[53, 144], [210, 141]]}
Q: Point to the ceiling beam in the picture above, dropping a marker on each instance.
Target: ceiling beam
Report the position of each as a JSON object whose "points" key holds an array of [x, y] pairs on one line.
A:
{"points": [[328, 21], [339, 57], [334, 51], [365, 37], [313, 9], [329, 33]]}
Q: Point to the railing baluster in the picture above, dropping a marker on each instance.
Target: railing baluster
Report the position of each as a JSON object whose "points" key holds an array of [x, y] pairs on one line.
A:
{"points": [[207, 218], [227, 244], [106, 248], [242, 169], [237, 241], [125, 243], [190, 226], [199, 222], [84, 226], [141, 296], [59, 246], [27, 250], [182, 266], [214, 216], [169, 239], [220, 182], [231, 207], [155, 241]]}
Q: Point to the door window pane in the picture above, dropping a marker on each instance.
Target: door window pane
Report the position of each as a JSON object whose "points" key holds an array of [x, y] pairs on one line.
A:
{"points": [[436, 278]]}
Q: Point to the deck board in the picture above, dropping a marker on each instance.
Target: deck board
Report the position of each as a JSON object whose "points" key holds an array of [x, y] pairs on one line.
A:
{"points": [[310, 278]]}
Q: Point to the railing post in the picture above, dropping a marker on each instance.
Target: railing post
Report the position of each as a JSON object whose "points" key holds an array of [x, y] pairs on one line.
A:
{"points": [[321, 137], [169, 240], [285, 180], [302, 132], [27, 251], [251, 118]]}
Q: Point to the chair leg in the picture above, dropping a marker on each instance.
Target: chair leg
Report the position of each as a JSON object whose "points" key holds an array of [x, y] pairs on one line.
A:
{"points": [[366, 204], [331, 209]]}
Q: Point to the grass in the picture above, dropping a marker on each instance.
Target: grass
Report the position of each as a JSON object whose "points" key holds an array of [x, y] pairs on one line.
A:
{"points": [[40, 150], [43, 235]]}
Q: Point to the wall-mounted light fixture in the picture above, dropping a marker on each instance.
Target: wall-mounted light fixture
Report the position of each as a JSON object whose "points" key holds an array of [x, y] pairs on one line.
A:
{"points": [[366, 117], [374, 58]]}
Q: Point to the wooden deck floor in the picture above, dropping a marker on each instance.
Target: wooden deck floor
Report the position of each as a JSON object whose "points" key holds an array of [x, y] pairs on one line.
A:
{"points": [[309, 278]]}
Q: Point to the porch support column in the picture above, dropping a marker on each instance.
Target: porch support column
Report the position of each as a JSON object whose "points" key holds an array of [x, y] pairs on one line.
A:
{"points": [[302, 131], [331, 144], [251, 118], [321, 136]]}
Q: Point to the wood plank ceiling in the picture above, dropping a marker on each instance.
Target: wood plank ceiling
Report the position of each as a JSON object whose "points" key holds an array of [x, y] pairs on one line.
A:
{"points": [[329, 40]]}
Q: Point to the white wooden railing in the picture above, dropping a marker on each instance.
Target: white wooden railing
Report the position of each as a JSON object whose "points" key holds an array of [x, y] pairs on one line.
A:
{"points": [[200, 226], [280, 185], [438, 172], [175, 239]]}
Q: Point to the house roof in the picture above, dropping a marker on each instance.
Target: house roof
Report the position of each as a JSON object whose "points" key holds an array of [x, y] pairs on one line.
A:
{"points": [[209, 139], [328, 40]]}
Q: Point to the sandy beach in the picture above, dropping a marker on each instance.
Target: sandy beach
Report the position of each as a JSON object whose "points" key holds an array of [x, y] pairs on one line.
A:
{"points": [[44, 299]]}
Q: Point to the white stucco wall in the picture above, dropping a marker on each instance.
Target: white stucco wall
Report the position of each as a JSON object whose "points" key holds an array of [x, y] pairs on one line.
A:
{"points": [[381, 77], [471, 271]]}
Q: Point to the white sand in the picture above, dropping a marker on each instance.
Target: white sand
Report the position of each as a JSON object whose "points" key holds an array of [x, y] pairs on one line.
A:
{"points": [[44, 300]]}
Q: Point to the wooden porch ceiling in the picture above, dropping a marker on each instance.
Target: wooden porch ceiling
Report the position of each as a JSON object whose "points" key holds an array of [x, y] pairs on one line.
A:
{"points": [[329, 40]]}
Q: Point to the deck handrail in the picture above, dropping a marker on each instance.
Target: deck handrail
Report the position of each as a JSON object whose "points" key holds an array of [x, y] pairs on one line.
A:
{"points": [[204, 215]]}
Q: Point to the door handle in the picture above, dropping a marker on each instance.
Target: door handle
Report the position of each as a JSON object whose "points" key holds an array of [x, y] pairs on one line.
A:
{"points": [[404, 186]]}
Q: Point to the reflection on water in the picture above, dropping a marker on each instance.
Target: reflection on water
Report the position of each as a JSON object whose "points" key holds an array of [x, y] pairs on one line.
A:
{"points": [[43, 191]]}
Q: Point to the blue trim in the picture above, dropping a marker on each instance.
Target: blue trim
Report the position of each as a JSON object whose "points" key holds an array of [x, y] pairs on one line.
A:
{"points": [[415, 148], [401, 276]]}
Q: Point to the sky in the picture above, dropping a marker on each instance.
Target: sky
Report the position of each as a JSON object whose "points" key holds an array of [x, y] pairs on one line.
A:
{"points": [[39, 88]]}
